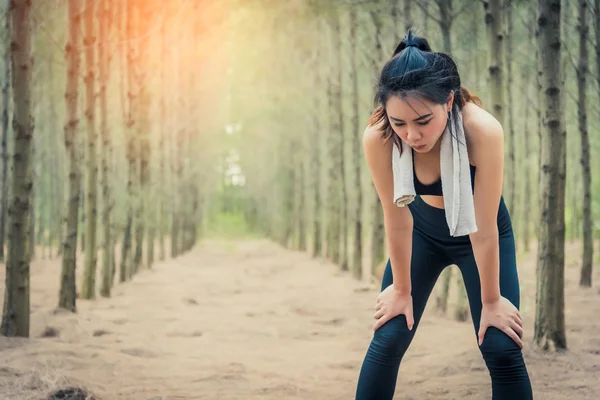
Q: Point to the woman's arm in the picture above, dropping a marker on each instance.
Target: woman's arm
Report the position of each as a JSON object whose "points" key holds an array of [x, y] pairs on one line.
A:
{"points": [[398, 221], [486, 139]]}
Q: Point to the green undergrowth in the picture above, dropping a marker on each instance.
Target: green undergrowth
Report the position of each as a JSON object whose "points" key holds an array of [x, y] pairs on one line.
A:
{"points": [[230, 226]]}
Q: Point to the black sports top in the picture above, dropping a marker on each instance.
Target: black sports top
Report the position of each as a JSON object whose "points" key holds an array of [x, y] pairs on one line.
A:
{"points": [[435, 188]]}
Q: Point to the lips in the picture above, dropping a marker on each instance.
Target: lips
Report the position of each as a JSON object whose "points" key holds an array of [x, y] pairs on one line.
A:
{"points": [[419, 147]]}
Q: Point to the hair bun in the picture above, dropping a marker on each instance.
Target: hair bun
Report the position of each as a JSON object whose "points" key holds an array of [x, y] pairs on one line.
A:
{"points": [[412, 40]]}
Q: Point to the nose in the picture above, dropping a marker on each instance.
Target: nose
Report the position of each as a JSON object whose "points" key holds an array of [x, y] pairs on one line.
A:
{"points": [[412, 134]]}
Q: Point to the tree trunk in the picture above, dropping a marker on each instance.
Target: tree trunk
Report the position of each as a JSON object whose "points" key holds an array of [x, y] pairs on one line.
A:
{"points": [[104, 64], [582, 72], [131, 152], [597, 49], [424, 9], [341, 142], [316, 150], [125, 268], [446, 25], [79, 144], [15, 317], [316, 169], [495, 34], [408, 20], [5, 120], [356, 265], [526, 201], [395, 16], [549, 332], [302, 201], [377, 225], [32, 211], [511, 165], [55, 212], [88, 289], [67, 298], [335, 197]]}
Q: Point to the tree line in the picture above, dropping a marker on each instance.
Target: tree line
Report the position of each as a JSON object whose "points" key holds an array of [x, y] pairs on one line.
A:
{"points": [[180, 118]]}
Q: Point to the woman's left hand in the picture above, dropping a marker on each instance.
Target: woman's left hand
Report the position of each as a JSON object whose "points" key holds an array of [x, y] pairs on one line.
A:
{"points": [[503, 315]]}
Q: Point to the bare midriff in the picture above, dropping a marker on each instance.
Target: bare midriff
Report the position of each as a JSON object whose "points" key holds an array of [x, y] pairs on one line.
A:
{"points": [[434, 201]]}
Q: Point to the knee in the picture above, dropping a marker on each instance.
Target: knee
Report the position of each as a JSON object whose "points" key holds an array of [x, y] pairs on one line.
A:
{"points": [[391, 340], [499, 351]]}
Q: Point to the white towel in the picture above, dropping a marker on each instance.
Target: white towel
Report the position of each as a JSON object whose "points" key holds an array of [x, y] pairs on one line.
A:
{"points": [[455, 175]]}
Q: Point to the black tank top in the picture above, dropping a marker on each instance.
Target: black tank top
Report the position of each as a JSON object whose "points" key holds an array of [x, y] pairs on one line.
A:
{"points": [[435, 188]]}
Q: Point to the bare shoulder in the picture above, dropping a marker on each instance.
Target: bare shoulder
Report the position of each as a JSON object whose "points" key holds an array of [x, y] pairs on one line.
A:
{"points": [[373, 135], [483, 132]]}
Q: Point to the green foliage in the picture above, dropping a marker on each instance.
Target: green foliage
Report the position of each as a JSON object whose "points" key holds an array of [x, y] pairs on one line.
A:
{"points": [[229, 225]]}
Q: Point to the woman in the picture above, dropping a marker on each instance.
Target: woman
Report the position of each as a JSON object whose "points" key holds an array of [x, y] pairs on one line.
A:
{"points": [[418, 92]]}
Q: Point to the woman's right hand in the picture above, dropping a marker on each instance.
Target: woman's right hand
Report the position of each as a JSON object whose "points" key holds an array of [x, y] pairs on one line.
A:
{"points": [[391, 303]]}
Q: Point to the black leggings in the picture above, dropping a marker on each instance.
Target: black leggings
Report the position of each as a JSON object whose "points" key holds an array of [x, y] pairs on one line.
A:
{"points": [[433, 250]]}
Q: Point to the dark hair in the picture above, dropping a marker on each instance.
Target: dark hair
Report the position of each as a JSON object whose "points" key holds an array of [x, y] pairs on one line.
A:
{"points": [[415, 70]]}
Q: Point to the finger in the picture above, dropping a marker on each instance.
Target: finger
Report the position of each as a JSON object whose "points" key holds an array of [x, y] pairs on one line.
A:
{"points": [[519, 318], [378, 306], [481, 334], [514, 336], [378, 314], [410, 320], [517, 328], [380, 322]]}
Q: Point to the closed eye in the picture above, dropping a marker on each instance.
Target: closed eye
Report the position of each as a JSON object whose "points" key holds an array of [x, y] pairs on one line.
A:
{"points": [[420, 123]]}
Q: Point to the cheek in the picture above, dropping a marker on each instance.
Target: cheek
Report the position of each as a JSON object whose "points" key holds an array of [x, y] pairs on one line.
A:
{"points": [[401, 132], [433, 130]]}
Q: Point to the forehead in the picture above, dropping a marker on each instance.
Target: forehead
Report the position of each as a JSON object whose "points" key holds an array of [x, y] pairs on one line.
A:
{"points": [[409, 107]]}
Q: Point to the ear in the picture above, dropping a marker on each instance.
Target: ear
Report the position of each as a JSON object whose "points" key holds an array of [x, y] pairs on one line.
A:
{"points": [[450, 102]]}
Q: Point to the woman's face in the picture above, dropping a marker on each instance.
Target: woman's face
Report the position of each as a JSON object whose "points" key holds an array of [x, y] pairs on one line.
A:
{"points": [[418, 122]]}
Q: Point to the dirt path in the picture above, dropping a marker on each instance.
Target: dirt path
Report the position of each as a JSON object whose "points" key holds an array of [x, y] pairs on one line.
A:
{"points": [[249, 320]]}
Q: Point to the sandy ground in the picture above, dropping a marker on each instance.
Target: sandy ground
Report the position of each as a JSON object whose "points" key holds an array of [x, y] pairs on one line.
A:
{"points": [[250, 320]]}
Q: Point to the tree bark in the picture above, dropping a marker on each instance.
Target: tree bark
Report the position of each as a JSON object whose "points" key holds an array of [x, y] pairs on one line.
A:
{"points": [[162, 174], [549, 331], [582, 72], [104, 66], [67, 297], [5, 122], [335, 197], [16, 310], [127, 265], [88, 289], [356, 265], [339, 112], [495, 34], [511, 148], [377, 225]]}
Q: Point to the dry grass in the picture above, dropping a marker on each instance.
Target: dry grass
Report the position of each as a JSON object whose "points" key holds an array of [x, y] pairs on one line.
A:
{"points": [[41, 383]]}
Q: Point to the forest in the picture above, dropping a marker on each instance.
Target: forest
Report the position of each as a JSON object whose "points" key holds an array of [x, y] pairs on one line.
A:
{"points": [[186, 211]]}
